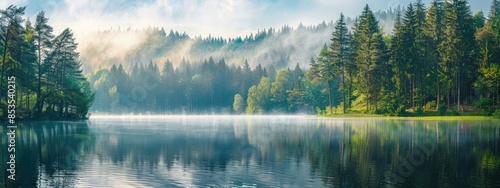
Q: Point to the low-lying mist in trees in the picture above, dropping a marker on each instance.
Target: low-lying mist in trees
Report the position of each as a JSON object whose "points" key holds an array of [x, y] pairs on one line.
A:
{"points": [[280, 47], [439, 58], [206, 87]]}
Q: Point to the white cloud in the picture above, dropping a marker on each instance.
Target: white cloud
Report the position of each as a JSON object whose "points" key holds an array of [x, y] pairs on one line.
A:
{"points": [[221, 18], [5, 3], [217, 17]]}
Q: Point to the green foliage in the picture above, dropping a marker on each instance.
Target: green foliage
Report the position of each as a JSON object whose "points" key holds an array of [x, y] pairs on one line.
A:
{"points": [[340, 56], [479, 20], [419, 111], [496, 113], [435, 55], [259, 97], [486, 105], [483, 103], [239, 104], [319, 112], [279, 89], [297, 96], [431, 105], [442, 108], [370, 58], [47, 69]]}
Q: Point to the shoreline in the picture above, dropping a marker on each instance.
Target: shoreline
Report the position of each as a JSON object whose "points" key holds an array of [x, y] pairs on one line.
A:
{"points": [[279, 116]]}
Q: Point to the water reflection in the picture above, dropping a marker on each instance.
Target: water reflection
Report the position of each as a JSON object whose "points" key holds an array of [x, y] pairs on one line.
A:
{"points": [[47, 153], [196, 151]]}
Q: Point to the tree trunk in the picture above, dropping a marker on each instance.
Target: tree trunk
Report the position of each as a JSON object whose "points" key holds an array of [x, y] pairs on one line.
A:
{"points": [[329, 96], [39, 89], [458, 99], [350, 90], [28, 101], [343, 91], [21, 100], [438, 98], [413, 93], [4, 59], [367, 105], [61, 108], [448, 98], [497, 101]]}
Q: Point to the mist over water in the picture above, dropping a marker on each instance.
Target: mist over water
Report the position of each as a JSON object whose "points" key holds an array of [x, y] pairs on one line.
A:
{"points": [[256, 151]]}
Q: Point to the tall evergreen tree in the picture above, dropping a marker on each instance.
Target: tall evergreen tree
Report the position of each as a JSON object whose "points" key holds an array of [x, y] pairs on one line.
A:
{"points": [[434, 30], [68, 88], [479, 20], [398, 67], [494, 9], [422, 69], [11, 25], [42, 38], [323, 71], [26, 67], [459, 49], [340, 56], [369, 57]]}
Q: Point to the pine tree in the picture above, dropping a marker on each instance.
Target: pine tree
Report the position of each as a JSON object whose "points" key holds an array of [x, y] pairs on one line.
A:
{"points": [[296, 96], [459, 49], [398, 67], [493, 24], [11, 29], [434, 30], [369, 56], [68, 89], [324, 71], [409, 55], [479, 20], [422, 67], [340, 54], [494, 9], [168, 86], [42, 38], [26, 67]]}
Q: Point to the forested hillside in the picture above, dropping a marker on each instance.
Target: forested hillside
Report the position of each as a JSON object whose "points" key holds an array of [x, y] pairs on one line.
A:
{"points": [[280, 47], [440, 57]]}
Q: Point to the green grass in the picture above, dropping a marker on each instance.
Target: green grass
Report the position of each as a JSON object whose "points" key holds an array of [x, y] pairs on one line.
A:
{"points": [[434, 118], [412, 116]]}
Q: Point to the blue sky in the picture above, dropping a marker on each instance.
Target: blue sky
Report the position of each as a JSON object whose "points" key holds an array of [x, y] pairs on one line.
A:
{"points": [[227, 18]]}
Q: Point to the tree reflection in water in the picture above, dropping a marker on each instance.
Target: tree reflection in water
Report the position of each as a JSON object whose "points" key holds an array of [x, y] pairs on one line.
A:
{"points": [[256, 151]]}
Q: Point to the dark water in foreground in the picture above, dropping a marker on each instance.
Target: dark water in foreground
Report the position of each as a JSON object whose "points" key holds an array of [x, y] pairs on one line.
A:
{"points": [[224, 151]]}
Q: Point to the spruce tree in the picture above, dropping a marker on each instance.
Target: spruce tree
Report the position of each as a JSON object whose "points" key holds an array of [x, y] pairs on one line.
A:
{"points": [[340, 57], [434, 31], [369, 56]]}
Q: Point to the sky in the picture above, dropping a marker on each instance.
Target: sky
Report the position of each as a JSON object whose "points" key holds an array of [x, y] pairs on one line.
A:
{"points": [[227, 18]]}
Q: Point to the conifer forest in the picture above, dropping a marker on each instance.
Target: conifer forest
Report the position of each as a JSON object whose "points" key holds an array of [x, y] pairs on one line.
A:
{"points": [[426, 59]]}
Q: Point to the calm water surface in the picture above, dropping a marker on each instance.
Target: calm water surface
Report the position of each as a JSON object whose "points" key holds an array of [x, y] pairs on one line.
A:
{"points": [[228, 151]]}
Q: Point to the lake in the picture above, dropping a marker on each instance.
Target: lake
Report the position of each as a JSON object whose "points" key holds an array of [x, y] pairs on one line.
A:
{"points": [[253, 151]]}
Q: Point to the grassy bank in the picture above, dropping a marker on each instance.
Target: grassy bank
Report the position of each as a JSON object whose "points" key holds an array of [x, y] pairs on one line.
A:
{"points": [[450, 118]]}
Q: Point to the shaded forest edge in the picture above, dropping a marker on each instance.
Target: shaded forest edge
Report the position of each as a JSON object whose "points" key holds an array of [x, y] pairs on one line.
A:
{"points": [[439, 60]]}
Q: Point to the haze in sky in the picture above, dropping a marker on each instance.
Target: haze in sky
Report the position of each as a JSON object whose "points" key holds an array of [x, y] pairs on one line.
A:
{"points": [[227, 18]]}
